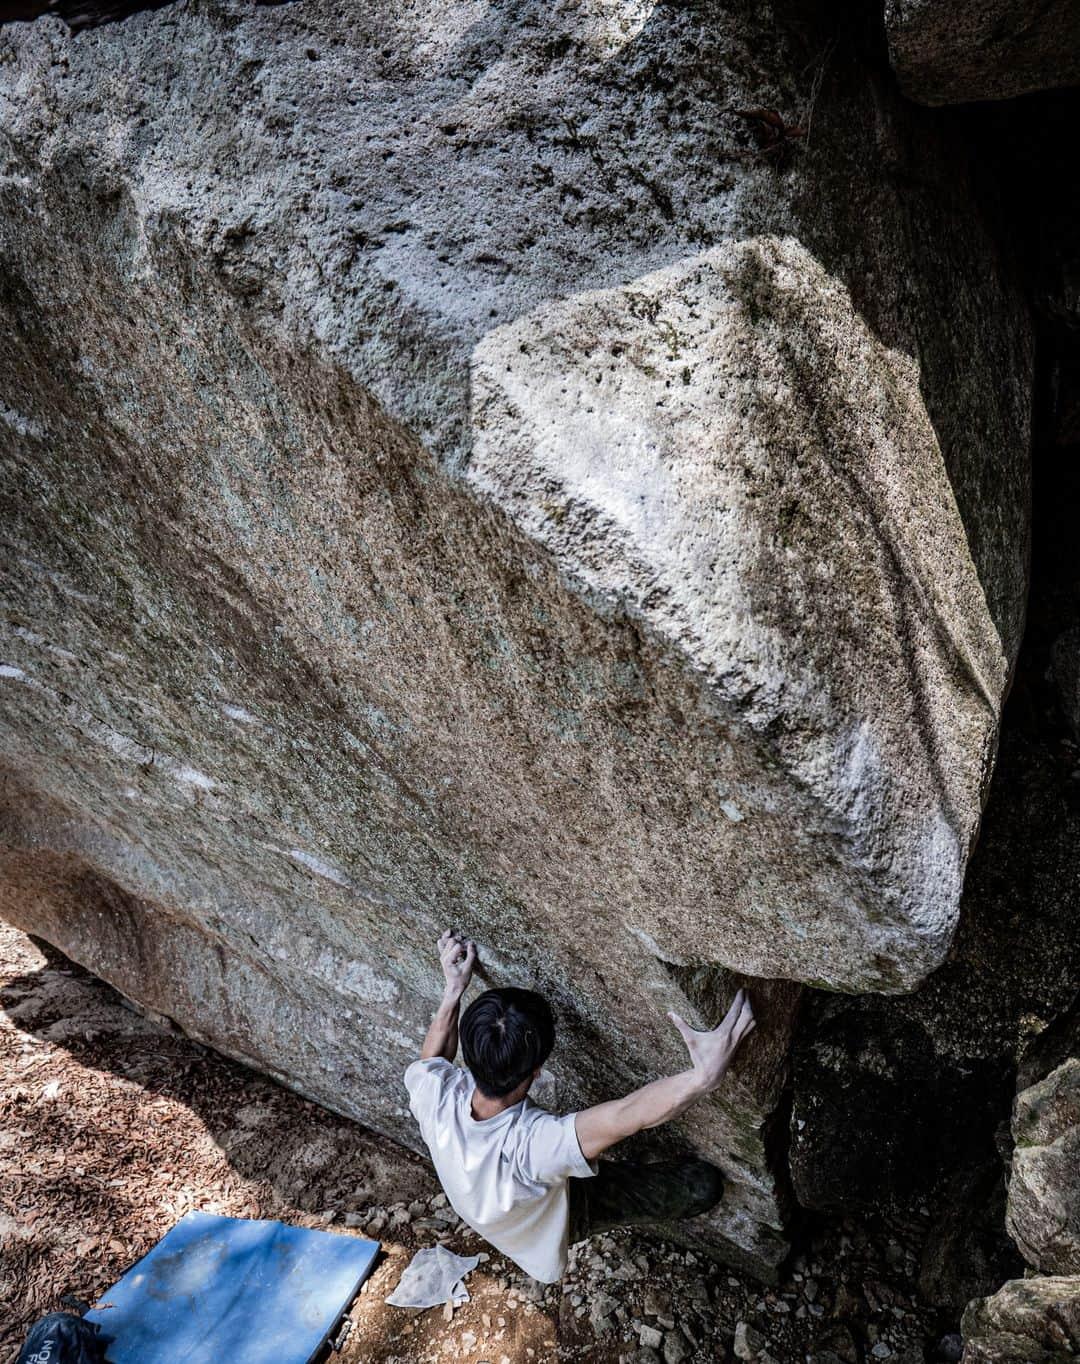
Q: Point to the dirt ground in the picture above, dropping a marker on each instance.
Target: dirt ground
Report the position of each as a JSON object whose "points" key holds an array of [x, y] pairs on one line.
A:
{"points": [[112, 1128]]}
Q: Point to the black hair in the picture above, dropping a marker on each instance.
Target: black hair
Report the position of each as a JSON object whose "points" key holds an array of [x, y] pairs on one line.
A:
{"points": [[506, 1035]]}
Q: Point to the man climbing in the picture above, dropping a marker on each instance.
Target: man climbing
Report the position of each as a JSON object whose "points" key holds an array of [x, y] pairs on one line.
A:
{"points": [[529, 1181]]}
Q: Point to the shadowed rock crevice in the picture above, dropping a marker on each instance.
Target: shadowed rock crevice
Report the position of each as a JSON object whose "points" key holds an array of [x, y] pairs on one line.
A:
{"points": [[982, 49], [908, 1103]]}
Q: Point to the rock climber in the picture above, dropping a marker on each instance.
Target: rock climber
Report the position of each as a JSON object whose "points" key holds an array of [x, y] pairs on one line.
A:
{"points": [[529, 1182]]}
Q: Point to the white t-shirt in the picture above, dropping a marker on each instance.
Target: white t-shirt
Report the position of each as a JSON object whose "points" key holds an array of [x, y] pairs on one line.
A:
{"points": [[505, 1176]]}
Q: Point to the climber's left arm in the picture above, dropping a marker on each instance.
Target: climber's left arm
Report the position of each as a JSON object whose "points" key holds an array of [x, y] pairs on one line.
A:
{"points": [[711, 1054], [457, 957]]}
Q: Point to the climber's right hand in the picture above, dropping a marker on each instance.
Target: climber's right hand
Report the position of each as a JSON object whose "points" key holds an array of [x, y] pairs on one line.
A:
{"points": [[457, 956]]}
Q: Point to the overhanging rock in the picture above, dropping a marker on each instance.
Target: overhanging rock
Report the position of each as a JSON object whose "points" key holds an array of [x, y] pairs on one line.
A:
{"points": [[529, 469], [955, 51]]}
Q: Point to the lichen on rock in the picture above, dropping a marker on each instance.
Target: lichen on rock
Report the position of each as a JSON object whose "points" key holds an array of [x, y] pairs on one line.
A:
{"points": [[1028, 1321]]}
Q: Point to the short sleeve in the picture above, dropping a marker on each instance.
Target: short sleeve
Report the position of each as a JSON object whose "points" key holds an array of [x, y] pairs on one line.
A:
{"points": [[425, 1080], [552, 1151]]}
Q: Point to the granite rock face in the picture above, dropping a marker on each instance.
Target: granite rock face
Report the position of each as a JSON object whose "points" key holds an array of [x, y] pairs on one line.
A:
{"points": [[956, 51], [1027, 1321], [1043, 1214], [1044, 1191], [512, 468], [1036, 1320]]}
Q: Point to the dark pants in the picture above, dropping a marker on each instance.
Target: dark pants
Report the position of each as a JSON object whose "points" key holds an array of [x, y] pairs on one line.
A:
{"points": [[629, 1193]]}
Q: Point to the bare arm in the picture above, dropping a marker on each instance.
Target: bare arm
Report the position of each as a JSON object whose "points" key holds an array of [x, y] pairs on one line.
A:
{"points": [[710, 1055], [457, 957]]}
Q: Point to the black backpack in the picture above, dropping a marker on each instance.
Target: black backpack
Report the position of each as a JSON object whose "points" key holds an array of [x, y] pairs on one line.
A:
{"points": [[63, 1338]]}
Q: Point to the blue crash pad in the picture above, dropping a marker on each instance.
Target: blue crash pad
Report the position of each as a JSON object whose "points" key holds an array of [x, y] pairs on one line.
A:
{"points": [[222, 1288]]}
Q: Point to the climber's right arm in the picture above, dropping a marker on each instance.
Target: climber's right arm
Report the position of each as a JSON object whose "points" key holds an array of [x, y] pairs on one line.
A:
{"points": [[658, 1102]]}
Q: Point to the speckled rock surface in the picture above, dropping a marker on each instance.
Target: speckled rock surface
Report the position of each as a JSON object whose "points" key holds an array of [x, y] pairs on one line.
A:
{"points": [[1043, 1215], [1027, 1321], [949, 52], [466, 465]]}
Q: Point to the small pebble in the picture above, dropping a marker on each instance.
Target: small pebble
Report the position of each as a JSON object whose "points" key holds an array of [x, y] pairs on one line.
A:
{"points": [[748, 1343]]}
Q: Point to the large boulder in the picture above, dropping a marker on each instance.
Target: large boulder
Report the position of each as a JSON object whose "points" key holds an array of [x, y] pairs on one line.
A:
{"points": [[1043, 1213], [556, 470], [1036, 1320], [1044, 1191], [1027, 1321], [955, 51]]}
